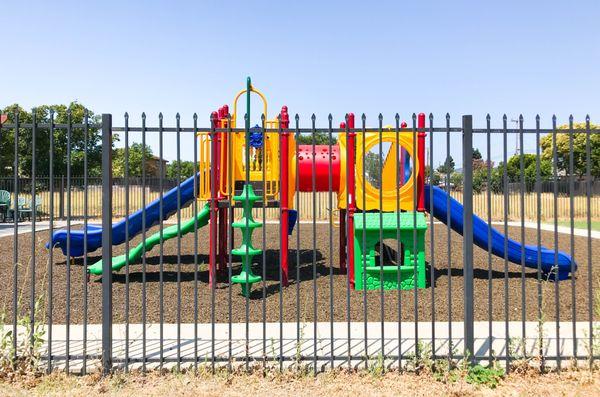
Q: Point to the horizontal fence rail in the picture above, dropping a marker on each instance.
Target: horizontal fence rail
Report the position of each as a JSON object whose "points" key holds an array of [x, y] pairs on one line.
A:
{"points": [[151, 186], [413, 238]]}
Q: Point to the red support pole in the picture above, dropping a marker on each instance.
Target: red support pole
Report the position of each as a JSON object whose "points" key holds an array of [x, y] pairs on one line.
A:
{"points": [[225, 144], [343, 239], [222, 258], [221, 165], [421, 156], [284, 189], [220, 140], [350, 176], [212, 256]]}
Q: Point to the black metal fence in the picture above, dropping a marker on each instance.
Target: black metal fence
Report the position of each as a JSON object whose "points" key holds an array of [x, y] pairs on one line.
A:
{"points": [[151, 187], [478, 302], [82, 187]]}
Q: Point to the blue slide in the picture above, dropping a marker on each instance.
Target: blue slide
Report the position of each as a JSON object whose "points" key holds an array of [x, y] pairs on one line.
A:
{"points": [[480, 237], [94, 232]]}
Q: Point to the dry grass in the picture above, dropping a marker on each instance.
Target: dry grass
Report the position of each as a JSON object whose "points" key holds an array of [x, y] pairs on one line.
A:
{"points": [[563, 207], [568, 383]]}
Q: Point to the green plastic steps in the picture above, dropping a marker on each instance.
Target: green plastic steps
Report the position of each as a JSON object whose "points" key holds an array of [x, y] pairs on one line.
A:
{"points": [[246, 251], [388, 269], [247, 197], [370, 221], [242, 251], [245, 278], [118, 262], [243, 223], [368, 272]]}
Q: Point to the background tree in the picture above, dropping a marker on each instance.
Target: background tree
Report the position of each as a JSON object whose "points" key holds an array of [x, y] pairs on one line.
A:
{"points": [[579, 152], [373, 166], [479, 180], [456, 180], [136, 154], [447, 167], [42, 113], [513, 172], [321, 138], [480, 171], [433, 177], [478, 161], [187, 169]]}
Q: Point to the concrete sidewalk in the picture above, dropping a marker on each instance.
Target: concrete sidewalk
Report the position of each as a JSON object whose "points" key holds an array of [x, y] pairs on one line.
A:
{"points": [[284, 339], [8, 229]]}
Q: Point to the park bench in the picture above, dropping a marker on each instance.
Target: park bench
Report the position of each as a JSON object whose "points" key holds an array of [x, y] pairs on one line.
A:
{"points": [[4, 204]]}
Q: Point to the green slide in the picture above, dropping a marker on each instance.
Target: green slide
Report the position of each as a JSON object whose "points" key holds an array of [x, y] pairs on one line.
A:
{"points": [[168, 233]]}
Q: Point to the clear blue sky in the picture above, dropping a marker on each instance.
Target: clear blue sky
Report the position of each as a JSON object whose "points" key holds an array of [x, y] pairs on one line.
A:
{"points": [[461, 57]]}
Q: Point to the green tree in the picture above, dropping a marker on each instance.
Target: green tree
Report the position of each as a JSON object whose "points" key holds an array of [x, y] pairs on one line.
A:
{"points": [[579, 150], [187, 169], [373, 166], [456, 179], [136, 154], [513, 172], [321, 138], [496, 184], [478, 162], [479, 180], [433, 177], [42, 141], [448, 166]]}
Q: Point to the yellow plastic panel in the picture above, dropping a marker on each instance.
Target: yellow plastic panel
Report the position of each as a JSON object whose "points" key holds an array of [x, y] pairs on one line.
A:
{"points": [[391, 164]]}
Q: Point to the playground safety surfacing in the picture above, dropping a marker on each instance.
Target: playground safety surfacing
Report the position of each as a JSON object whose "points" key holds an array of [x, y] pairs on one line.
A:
{"points": [[429, 303], [293, 342]]}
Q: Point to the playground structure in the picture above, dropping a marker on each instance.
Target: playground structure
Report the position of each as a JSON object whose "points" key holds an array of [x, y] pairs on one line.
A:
{"points": [[264, 166]]}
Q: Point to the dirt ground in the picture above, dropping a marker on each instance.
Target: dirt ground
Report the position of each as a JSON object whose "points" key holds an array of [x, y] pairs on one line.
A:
{"points": [[445, 300], [581, 383]]}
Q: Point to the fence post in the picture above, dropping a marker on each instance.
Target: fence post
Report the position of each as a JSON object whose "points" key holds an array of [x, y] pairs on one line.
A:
{"points": [[106, 243], [61, 198], [467, 143]]}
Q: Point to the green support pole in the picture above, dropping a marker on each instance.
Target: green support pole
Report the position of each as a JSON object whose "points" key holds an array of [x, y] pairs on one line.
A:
{"points": [[247, 224], [247, 126]]}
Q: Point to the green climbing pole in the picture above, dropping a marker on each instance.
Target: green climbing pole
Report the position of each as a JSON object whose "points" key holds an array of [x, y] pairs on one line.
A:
{"points": [[247, 224], [246, 251]]}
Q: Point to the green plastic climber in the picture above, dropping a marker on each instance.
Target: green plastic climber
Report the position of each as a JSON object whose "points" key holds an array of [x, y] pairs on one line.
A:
{"points": [[367, 269], [246, 251]]}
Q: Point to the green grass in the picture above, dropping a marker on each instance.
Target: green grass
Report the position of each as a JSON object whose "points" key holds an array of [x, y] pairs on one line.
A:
{"points": [[581, 224]]}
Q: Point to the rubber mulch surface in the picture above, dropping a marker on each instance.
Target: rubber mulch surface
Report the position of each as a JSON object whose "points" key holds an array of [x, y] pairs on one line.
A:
{"points": [[444, 300]]}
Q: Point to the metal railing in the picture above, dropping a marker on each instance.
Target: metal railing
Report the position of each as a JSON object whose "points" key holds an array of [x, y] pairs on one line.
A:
{"points": [[305, 201], [479, 302]]}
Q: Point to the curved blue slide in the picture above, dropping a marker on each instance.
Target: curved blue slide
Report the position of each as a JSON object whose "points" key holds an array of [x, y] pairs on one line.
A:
{"points": [[94, 232], [480, 237]]}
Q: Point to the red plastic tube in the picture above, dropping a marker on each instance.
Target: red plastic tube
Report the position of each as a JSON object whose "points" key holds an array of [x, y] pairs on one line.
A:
{"points": [[322, 155]]}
